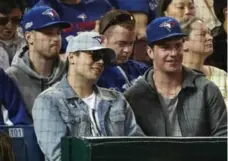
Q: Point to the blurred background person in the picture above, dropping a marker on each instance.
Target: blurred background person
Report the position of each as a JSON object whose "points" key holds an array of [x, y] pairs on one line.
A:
{"points": [[179, 9], [197, 47], [219, 56], [10, 39]]}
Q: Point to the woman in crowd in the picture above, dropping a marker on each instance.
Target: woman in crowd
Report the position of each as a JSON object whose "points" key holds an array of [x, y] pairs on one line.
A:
{"points": [[197, 47], [181, 10]]}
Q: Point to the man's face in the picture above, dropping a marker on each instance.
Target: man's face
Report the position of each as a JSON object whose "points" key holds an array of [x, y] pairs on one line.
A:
{"points": [[46, 42], [121, 40], [85, 67], [9, 23], [168, 56]]}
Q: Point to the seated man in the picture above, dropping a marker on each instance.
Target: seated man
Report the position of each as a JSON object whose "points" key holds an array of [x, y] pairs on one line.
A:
{"points": [[13, 111], [118, 28], [172, 100], [76, 106], [37, 66]]}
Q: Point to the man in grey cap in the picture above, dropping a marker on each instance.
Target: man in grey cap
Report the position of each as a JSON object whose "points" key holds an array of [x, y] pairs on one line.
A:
{"points": [[171, 100], [76, 106]]}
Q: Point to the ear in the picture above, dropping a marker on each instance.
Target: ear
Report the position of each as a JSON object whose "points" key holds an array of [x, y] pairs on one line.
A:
{"points": [[150, 52], [105, 41], [70, 58], [29, 37], [186, 45]]}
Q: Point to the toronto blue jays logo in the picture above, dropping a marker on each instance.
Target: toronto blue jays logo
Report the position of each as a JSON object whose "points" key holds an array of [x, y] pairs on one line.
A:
{"points": [[168, 25], [100, 39], [82, 16], [51, 13]]}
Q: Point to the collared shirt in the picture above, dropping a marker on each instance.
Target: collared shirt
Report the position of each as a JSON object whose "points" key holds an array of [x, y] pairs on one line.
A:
{"points": [[60, 112]]}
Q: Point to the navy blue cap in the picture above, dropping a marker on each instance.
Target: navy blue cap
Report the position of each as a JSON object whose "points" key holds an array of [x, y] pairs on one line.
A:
{"points": [[162, 28], [42, 16]]}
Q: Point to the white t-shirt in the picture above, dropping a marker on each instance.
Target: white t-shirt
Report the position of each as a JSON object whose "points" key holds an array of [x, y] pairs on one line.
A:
{"points": [[92, 101]]}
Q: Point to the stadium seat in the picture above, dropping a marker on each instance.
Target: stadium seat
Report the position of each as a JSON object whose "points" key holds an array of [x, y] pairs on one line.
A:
{"points": [[24, 142]]}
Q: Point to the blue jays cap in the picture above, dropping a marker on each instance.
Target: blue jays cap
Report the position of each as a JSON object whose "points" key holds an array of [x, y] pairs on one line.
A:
{"points": [[162, 28], [42, 16]]}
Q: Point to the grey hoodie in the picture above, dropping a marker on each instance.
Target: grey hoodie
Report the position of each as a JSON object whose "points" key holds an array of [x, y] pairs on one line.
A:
{"points": [[29, 82]]}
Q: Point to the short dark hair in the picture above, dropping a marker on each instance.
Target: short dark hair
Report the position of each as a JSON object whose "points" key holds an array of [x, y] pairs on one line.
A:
{"points": [[7, 6], [162, 7], [219, 6], [116, 17]]}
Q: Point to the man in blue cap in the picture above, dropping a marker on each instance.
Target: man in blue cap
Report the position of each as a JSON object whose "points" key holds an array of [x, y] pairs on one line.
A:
{"points": [[36, 66], [171, 100]]}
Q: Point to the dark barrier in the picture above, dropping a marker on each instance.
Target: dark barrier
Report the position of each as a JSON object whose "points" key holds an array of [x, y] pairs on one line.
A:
{"points": [[24, 143], [144, 149]]}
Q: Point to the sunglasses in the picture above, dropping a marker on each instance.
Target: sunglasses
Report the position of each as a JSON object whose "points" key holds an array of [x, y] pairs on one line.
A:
{"points": [[13, 20], [118, 19], [99, 55]]}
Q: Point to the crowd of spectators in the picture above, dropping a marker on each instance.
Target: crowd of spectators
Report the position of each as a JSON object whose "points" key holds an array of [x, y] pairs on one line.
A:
{"points": [[113, 68]]}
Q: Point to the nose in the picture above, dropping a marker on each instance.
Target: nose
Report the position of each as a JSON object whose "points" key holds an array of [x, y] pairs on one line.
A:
{"points": [[56, 37], [186, 10], [9, 24], [101, 61], [127, 49], [209, 36], [174, 52]]}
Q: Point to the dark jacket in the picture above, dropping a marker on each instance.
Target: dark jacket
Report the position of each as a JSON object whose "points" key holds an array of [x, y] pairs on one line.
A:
{"points": [[201, 109]]}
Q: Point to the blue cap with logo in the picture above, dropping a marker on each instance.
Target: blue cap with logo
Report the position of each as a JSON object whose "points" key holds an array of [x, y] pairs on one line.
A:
{"points": [[162, 28], [42, 16]]}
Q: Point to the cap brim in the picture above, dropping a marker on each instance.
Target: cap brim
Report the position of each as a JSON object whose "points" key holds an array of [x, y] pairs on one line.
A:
{"points": [[61, 24], [169, 36], [111, 55]]}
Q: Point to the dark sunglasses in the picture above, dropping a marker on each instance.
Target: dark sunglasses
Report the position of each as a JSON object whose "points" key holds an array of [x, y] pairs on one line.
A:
{"points": [[118, 19], [98, 55], [13, 20]]}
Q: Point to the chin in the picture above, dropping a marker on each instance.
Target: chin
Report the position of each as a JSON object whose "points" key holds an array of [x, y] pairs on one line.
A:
{"points": [[174, 70]]}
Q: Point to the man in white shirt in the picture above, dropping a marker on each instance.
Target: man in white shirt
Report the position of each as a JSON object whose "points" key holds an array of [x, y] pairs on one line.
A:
{"points": [[76, 106]]}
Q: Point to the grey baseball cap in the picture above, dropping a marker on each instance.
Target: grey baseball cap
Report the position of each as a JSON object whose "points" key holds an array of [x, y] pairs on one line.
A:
{"points": [[89, 41]]}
